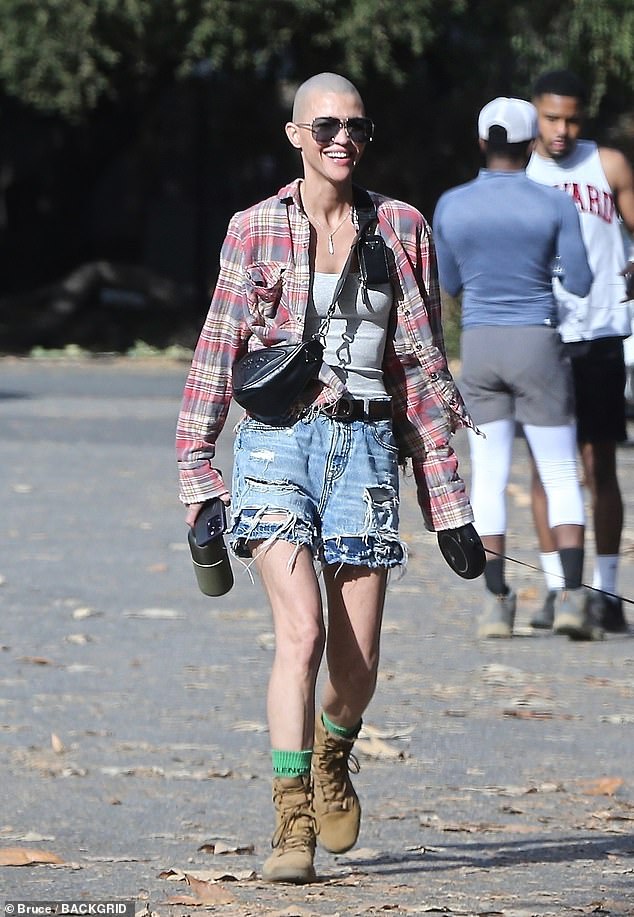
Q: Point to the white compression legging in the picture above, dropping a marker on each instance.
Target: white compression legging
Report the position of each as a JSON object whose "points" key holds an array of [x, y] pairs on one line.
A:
{"points": [[555, 452]]}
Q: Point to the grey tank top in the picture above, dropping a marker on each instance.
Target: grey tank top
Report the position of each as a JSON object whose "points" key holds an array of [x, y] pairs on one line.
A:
{"points": [[355, 342]]}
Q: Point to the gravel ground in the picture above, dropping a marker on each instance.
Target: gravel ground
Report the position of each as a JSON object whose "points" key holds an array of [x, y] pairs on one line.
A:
{"points": [[496, 777]]}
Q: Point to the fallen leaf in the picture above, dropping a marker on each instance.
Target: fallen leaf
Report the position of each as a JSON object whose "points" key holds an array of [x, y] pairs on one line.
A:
{"points": [[208, 875], [249, 726], [602, 786], [78, 639], [26, 856], [80, 614], [502, 675], [368, 731], [377, 748], [156, 614], [208, 892], [34, 837], [57, 745], [219, 848], [205, 891], [266, 641]]}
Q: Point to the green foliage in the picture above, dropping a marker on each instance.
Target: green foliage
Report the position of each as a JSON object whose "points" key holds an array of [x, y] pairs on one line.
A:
{"points": [[45, 62], [67, 55], [593, 37], [451, 321]]}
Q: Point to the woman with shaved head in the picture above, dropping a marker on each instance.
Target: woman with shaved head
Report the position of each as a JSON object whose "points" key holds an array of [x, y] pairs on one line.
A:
{"points": [[315, 491]]}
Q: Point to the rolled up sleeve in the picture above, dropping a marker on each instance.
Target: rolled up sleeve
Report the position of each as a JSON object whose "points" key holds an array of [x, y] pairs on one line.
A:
{"points": [[208, 389]]}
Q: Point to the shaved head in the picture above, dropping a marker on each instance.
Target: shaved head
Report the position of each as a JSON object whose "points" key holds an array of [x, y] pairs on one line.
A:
{"points": [[321, 83]]}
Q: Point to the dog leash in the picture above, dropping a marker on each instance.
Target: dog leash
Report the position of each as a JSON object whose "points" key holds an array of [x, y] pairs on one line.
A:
{"points": [[523, 563]]}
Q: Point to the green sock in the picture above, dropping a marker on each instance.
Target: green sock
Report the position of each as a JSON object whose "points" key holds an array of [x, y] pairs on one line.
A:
{"points": [[342, 732], [291, 763]]}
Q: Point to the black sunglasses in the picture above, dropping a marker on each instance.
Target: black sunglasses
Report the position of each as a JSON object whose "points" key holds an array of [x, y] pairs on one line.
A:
{"points": [[324, 130]]}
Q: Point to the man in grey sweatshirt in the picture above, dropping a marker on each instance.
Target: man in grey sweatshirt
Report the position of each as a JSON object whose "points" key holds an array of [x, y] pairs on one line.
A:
{"points": [[499, 238]]}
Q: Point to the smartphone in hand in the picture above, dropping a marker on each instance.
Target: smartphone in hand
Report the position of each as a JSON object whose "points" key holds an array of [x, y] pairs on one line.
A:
{"points": [[211, 522]]}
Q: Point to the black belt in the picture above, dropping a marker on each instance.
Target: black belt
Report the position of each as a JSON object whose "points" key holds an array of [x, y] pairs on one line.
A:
{"points": [[360, 409]]}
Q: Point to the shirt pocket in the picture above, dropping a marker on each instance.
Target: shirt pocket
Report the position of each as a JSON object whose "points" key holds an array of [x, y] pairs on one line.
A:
{"points": [[265, 283]]}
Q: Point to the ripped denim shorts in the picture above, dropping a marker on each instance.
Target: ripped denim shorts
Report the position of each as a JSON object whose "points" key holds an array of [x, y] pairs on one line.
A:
{"points": [[333, 483]]}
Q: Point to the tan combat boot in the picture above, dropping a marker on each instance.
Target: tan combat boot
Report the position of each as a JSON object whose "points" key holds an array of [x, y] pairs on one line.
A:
{"points": [[294, 838], [335, 803]]}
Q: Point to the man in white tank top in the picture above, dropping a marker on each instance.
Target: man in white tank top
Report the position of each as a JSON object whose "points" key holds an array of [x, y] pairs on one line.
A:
{"points": [[601, 183]]}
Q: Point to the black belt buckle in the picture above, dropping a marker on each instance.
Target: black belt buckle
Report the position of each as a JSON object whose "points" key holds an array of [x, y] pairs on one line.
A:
{"points": [[345, 408]]}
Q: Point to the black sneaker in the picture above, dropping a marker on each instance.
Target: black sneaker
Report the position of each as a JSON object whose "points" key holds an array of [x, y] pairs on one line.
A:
{"points": [[608, 612], [546, 614]]}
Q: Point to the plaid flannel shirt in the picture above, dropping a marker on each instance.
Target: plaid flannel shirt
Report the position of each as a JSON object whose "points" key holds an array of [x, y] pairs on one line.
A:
{"points": [[260, 299]]}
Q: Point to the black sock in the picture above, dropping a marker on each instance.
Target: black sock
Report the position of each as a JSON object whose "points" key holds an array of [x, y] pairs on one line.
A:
{"points": [[572, 564], [494, 576]]}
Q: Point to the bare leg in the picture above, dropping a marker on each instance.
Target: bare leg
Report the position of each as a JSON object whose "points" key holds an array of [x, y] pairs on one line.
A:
{"points": [[562, 536], [356, 597], [599, 465], [299, 643], [539, 506]]}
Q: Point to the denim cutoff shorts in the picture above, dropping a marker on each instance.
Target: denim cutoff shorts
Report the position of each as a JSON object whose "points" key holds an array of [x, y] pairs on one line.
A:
{"points": [[335, 484]]}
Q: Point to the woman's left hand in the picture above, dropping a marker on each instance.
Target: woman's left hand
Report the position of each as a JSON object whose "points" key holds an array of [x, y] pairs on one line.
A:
{"points": [[193, 509]]}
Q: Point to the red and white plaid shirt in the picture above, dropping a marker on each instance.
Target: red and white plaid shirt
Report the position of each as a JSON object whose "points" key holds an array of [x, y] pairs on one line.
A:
{"points": [[260, 299]]}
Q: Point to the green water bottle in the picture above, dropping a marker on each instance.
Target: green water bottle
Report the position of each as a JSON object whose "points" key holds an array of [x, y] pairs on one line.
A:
{"points": [[209, 551]]}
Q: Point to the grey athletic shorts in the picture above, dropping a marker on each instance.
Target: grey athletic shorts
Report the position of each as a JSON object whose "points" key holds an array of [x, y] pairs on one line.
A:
{"points": [[516, 371]]}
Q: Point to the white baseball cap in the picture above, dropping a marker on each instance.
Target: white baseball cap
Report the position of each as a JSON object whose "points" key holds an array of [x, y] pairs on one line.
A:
{"points": [[516, 116]]}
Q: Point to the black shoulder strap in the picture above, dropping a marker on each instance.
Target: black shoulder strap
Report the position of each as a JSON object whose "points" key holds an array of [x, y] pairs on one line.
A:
{"points": [[366, 214], [364, 206]]}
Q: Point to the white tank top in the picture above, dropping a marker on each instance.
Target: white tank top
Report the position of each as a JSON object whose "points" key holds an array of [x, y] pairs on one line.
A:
{"points": [[601, 313], [355, 342]]}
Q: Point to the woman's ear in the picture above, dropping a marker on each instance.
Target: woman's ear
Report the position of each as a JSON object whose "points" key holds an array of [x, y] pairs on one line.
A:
{"points": [[292, 132]]}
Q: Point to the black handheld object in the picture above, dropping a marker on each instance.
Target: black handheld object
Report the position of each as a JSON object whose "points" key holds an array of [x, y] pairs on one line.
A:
{"points": [[267, 381], [209, 551], [373, 260], [463, 551]]}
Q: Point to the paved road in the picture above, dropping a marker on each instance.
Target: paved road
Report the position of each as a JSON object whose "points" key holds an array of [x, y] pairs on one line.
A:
{"points": [[496, 777]]}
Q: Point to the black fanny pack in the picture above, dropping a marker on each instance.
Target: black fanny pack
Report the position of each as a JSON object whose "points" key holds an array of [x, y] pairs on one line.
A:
{"points": [[266, 382]]}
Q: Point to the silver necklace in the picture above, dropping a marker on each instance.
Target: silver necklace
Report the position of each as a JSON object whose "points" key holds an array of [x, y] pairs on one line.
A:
{"points": [[331, 241]]}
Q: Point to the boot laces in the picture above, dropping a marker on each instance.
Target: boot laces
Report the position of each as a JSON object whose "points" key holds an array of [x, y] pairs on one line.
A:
{"points": [[332, 770], [296, 828]]}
